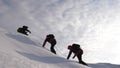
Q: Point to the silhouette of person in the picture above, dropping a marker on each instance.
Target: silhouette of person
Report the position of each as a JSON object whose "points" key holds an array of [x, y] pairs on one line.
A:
{"points": [[51, 39], [23, 30], [75, 48]]}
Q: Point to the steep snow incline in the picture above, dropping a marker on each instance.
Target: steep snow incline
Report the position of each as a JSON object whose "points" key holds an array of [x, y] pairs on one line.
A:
{"points": [[19, 51]]}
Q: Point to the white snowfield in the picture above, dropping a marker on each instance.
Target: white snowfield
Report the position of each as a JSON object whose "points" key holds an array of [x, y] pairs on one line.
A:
{"points": [[19, 51]]}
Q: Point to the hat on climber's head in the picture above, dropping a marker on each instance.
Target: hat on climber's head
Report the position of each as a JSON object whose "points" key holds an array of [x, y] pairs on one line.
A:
{"points": [[69, 47]]}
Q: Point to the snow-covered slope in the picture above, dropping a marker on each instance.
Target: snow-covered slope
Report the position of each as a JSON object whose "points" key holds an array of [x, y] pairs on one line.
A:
{"points": [[104, 65], [19, 51]]}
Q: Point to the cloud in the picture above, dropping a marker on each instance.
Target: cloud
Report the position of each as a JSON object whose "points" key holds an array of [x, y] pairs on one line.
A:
{"points": [[87, 22]]}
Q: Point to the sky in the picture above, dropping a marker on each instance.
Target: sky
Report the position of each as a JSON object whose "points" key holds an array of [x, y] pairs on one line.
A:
{"points": [[94, 24]]}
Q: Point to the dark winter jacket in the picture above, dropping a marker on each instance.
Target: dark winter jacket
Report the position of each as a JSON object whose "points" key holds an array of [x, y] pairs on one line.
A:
{"points": [[51, 40], [77, 51]]}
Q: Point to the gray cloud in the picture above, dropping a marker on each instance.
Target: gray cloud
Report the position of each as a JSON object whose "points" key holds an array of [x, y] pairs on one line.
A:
{"points": [[81, 21]]}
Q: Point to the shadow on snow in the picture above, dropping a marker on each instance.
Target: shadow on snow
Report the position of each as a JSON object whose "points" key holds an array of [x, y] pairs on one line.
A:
{"points": [[44, 59], [21, 38]]}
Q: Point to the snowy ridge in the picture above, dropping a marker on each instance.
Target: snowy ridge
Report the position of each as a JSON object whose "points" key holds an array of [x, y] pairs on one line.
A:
{"points": [[104, 65], [15, 53]]}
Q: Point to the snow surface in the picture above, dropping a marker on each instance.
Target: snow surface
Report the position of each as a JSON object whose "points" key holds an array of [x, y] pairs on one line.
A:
{"points": [[19, 51]]}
